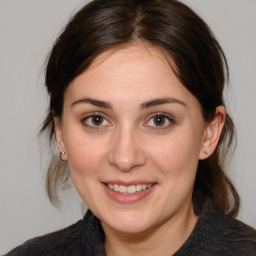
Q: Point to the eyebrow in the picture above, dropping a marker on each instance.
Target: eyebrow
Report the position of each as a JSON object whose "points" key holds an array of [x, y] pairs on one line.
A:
{"points": [[161, 101], [148, 104], [97, 103]]}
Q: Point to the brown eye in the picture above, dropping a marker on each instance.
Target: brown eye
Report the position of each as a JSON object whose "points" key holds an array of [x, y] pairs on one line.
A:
{"points": [[97, 120], [159, 120]]}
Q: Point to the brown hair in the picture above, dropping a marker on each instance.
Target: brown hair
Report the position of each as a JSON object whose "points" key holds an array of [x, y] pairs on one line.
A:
{"points": [[171, 26]]}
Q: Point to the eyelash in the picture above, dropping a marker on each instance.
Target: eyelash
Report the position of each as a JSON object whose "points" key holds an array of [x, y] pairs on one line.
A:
{"points": [[90, 116], [166, 117]]}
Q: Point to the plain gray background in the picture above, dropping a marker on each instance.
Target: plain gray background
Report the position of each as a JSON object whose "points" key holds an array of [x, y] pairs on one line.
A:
{"points": [[27, 30]]}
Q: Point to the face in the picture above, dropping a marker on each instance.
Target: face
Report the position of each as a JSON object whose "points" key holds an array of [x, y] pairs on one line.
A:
{"points": [[134, 135]]}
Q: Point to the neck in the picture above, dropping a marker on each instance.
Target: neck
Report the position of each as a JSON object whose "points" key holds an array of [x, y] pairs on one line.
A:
{"points": [[164, 239]]}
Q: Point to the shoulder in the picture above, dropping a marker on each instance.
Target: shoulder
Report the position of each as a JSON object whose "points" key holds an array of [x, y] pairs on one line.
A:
{"points": [[56, 243], [233, 237], [218, 234], [25, 250], [225, 235]]}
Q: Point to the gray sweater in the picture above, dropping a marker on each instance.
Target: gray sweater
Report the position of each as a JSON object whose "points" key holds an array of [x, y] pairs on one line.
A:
{"points": [[214, 234]]}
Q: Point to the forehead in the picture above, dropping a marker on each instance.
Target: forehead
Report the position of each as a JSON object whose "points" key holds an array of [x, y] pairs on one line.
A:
{"points": [[135, 71], [135, 50]]}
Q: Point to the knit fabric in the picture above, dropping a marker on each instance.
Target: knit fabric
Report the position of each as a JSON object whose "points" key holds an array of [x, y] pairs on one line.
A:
{"points": [[214, 234]]}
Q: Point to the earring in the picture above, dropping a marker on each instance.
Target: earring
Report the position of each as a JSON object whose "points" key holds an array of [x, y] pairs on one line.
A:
{"points": [[205, 152], [62, 154]]}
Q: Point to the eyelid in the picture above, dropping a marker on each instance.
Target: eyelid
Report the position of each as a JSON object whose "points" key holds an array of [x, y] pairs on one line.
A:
{"points": [[169, 117], [89, 115]]}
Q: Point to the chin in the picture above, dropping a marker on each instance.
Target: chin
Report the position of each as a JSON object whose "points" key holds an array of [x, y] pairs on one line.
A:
{"points": [[129, 223]]}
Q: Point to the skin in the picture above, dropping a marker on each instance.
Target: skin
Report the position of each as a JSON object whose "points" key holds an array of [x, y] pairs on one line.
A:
{"points": [[127, 144]]}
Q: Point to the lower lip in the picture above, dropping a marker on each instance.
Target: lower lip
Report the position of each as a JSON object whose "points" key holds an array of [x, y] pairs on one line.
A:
{"points": [[127, 198]]}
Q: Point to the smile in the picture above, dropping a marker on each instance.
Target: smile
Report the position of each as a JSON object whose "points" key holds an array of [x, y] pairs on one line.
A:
{"points": [[129, 189]]}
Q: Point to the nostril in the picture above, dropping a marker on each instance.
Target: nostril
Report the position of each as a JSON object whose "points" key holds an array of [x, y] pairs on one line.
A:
{"points": [[125, 152]]}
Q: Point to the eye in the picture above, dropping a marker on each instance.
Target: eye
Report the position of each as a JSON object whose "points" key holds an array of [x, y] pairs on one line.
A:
{"points": [[95, 120], [160, 121]]}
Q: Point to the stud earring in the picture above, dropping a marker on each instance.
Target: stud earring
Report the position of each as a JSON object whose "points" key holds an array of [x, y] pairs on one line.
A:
{"points": [[62, 154], [205, 152]]}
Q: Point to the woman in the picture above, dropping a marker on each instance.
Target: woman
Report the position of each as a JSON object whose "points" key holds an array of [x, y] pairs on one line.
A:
{"points": [[137, 110]]}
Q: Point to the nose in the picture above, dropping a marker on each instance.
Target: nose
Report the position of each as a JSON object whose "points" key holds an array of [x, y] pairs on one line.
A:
{"points": [[126, 151]]}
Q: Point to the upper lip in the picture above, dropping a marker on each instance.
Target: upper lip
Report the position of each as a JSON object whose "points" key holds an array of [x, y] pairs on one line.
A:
{"points": [[128, 183]]}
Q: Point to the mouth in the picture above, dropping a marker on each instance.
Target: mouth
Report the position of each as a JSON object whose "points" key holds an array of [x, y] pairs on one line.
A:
{"points": [[127, 193], [128, 189]]}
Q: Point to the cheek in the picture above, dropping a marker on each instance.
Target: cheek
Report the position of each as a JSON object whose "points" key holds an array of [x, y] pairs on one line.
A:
{"points": [[86, 160], [177, 155], [176, 159], [85, 155]]}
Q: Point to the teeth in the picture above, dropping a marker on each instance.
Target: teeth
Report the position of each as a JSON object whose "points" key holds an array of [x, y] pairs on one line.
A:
{"points": [[122, 189], [138, 188], [128, 189], [131, 189], [116, 187]]}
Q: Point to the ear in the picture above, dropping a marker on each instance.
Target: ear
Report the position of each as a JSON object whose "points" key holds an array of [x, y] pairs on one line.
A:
{"points": [[59, 135], [212, 133]]}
